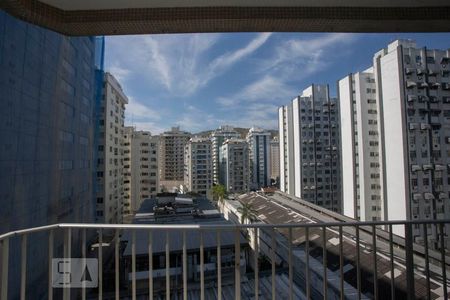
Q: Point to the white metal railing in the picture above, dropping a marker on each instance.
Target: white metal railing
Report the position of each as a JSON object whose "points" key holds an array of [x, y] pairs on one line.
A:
{"points": [[416, 261]]}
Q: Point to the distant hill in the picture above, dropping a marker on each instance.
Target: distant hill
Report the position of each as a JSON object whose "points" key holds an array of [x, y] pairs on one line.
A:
{"points": [[242, 131]]}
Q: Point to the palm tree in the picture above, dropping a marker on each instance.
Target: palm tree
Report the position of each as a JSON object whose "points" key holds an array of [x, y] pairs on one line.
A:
{"points": [[247, 212], [219, 192]]}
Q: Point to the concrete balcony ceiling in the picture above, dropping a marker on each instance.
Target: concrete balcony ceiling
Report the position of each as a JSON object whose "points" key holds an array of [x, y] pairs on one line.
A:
{"points": [[109, 17]]}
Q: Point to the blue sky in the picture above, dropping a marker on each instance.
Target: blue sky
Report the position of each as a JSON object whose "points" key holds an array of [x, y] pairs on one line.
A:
{"points": [[200, 81]]}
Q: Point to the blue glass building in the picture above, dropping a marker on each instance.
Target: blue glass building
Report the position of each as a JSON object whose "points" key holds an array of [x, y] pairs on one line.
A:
{"points": [[47, 100]]}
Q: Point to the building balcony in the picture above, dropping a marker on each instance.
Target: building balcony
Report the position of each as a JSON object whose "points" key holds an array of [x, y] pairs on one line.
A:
{"points": [[299, 260]]}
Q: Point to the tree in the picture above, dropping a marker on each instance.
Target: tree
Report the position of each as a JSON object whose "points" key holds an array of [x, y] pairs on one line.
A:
{"points": [[219, 192], [247, 212]]}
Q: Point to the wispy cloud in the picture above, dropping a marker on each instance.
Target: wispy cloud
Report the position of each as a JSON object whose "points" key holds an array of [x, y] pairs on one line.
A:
{"points": [[291, 61], [180, 63], [136, 109], [182, 72], [265, 89], [196, 119]]}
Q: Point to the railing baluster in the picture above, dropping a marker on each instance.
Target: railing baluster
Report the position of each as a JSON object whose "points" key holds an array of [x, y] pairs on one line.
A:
{"points": [[341, 264], [324, 262], [391, 258], [442, 250], [202, 266], [50, 257], [237, 264], [219, 267], [150, 264], [5, 265], [427, 260], [409, 261], [67, 253], [133, 264], [290, 266], [358, 267], [100, 264], [83, 255], [23, 268], [375, 269], [184, 267], [256, 264], [167, 266], [307, 281], [272, 254], [116, 264]]}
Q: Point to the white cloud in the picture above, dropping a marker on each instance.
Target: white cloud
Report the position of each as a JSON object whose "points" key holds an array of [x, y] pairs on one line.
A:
{"points": [[121, 74], [195, 120], [136, 109], [298, 58], [265, 89], [178, 63], [225, 61]]}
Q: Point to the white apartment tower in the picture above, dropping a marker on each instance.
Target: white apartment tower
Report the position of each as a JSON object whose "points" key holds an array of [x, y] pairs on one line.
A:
{"points": [[413, 99], [198, 166], [217, 138], [360, 152], [144, 167], [314, 155], [275, 159], [258, 141], [110, 189], [286, 135], [127, 134], [172, 145], [234, 166]]}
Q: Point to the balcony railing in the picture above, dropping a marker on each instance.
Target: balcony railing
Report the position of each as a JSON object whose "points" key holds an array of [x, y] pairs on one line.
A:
{"points": [[336, 260]]}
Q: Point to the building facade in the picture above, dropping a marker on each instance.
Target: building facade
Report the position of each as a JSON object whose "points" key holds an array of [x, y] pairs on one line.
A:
{"points": [[286, 135], [275, 159], [110, 157], [360, 152], [217, 138], [314, 155], [258, 141], [47, 85], [172, 145], [127, 187], [198, 166], [413, 99], [144, 165], [234, 166]]}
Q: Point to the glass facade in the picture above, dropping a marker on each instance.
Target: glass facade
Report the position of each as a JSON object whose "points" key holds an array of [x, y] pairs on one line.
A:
{"points": [[47, 95]]}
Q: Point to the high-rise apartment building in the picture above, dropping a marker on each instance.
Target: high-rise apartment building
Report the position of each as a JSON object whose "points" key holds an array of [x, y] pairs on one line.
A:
{"points": [[218, 137], [234, 166], [275, 159], [127, 188], [198, 166], [286, 135], [315, 155], [259, 153], [47, 84], [110, 157], [143, 168], [172, 145], [413, 99], [360, 139]]}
